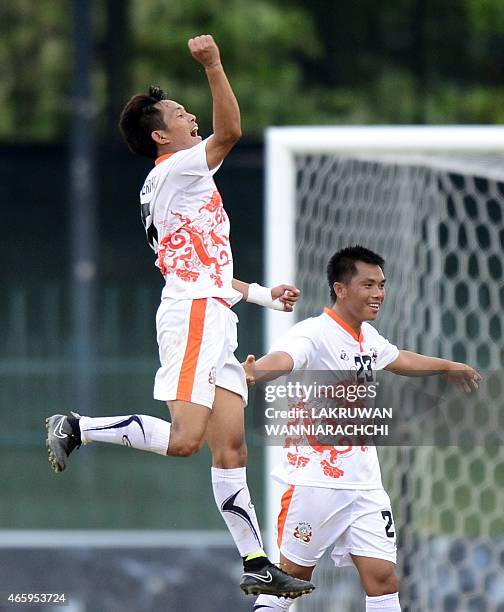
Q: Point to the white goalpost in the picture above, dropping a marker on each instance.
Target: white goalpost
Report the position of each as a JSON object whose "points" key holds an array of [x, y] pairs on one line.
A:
{"points": [[430, 200]]}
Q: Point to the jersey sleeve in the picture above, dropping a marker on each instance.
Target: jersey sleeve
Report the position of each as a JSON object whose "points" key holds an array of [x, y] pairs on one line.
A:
{"points": [[387, 353], [300, 343], [192, 163]]}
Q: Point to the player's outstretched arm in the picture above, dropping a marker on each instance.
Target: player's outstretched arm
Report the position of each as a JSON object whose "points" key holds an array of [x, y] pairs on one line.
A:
{"points": [[226, 112], [270, 367], [282, 297], [413, 364]]}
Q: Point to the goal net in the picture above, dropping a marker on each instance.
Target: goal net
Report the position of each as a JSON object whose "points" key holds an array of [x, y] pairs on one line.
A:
{"points": [[430, 200]]}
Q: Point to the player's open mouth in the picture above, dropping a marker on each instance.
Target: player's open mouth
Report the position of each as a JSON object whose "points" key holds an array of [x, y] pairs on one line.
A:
{"points": [[194, 131], [375, 306]]}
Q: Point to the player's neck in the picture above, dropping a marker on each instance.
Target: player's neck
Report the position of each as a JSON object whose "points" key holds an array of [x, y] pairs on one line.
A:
{"points": [[163, 150], [172, 147], [351, 321]]}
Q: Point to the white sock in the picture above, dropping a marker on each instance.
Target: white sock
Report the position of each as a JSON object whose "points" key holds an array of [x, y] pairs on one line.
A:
{"points": [[233, 500], [271, 602], [385, 603], [136, 430]]}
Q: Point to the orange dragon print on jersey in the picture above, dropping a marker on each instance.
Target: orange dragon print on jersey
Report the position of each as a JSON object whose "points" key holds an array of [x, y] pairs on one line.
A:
{"points": [[197, 245], [346, 447], [328, 456], [294, 457]]}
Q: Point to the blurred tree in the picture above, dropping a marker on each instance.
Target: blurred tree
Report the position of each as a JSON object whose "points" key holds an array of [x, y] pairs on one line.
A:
{"points": [[260, 43], [365, 61], [408, 61], [34, 68], [290, 61]]}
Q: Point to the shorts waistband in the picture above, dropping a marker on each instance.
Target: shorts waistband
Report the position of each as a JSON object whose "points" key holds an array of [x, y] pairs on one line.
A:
{"points": [[222, 301], [218, 299]]}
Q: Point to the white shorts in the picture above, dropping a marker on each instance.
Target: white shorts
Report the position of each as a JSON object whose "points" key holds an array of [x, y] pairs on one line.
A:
{"points": [[357, 522], [197, 340]]}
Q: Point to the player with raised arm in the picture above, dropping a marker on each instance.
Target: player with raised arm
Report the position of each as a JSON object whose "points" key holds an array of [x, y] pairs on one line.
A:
{"points": [[334, 494], [200, 378]]}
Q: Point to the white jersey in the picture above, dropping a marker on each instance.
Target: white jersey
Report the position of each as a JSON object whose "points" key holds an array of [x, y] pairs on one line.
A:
{"points": [[188, 228], [327, 343]]}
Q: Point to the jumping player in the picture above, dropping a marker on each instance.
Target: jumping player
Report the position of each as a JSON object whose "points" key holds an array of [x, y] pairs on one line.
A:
{"points": [[200, 378], [334, 495]]}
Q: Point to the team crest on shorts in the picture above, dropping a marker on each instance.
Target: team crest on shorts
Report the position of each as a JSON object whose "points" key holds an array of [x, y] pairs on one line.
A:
{"points": [[303, 532], [211, 376], [343, 355]]}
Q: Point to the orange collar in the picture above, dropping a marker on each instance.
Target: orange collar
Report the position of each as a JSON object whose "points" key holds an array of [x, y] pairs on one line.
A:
{"points": [[162, 158], [358, 337]]}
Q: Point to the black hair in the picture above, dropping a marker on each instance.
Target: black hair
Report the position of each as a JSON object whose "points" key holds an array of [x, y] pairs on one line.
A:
{"points": [[341, 267], [139, 118]]}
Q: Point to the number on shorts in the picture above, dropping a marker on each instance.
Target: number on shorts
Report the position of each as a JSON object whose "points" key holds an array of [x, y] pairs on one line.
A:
{"points": [[387, 516]]}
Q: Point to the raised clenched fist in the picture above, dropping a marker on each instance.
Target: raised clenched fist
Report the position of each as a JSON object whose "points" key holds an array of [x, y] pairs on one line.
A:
{"points": [[205, 50]]}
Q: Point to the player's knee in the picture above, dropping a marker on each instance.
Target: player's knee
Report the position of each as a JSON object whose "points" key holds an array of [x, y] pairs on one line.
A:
{"points": [[385, 584], [239, 454], [191, 447], [230, 457], [184, 447], [391, 584]]}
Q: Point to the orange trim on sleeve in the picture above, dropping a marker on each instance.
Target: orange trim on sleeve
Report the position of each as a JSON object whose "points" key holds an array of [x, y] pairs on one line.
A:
{"points": [[284, 509], [162, 158], [192, 351], [358, 337]]}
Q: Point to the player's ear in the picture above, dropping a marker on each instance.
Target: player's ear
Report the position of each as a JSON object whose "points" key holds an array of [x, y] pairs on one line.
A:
{"points": [[160, 137], [340, 290]]}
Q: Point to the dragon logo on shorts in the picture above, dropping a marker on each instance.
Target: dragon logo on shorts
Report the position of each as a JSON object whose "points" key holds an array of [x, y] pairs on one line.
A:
{"points": [[211, 376], [303, 532]]}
